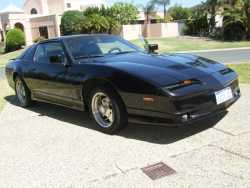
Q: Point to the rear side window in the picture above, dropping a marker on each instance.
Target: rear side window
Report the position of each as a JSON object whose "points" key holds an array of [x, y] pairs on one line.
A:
{"points": [[44, 51], [29, 53]]}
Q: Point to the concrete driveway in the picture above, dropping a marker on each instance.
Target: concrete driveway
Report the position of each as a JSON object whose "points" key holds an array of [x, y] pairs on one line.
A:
{"points": [[49, 146], [2, 74]]}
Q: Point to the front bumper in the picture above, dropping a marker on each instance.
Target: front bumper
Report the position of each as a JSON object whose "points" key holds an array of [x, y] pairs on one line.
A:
{"points": [[202, 111]]}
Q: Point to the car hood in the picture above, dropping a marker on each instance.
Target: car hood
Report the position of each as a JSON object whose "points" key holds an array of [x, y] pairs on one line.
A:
{"points": [[163, 69]]}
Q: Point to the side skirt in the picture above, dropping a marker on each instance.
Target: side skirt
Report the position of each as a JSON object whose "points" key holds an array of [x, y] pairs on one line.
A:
{"points": [[79, 105]]}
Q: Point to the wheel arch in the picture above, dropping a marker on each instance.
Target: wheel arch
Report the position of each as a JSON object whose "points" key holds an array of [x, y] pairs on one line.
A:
{"points": [[91, 84], [15, 74]]}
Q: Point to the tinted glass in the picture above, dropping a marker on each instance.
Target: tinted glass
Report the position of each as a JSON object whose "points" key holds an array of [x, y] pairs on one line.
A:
{"points": [[29, 53], [45, 51], [91, 46]]}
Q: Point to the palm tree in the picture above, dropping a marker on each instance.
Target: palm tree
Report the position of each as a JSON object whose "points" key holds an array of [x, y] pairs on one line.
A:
{"points": [[149, 10], [237, 12], [163, 3], [212, 6]]}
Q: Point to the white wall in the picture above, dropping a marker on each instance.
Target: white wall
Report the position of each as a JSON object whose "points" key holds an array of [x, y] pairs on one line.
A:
{"points": [[171, 29], [82, 4], [37, 4], [130, 32], [55, 6]]}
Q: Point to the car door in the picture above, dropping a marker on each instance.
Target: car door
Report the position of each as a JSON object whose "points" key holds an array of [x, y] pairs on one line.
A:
{"points": [[53, 81]]}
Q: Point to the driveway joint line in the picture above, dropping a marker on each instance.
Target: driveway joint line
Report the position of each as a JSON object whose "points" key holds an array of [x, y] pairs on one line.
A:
{"points": [[232, 175], [122, 171], [225, 132], [192, 150], [231, 152]]}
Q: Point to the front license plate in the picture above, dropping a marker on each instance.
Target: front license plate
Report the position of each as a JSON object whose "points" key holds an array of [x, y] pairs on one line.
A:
{"points": [[223, 95]]}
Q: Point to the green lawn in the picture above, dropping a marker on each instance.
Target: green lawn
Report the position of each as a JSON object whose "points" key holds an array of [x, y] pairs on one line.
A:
{"points": [[190, 43], [244, 72]]}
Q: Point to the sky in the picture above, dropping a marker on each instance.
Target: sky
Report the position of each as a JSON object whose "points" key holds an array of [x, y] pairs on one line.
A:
{"points": [[186, 3]]}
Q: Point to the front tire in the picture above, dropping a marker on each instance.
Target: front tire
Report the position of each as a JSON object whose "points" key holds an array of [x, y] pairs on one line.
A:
{"points": [[22, 92], [107, 110]]}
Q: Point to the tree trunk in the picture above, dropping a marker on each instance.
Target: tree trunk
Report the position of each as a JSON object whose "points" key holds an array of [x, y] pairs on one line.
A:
{"points": [[165, 12]]}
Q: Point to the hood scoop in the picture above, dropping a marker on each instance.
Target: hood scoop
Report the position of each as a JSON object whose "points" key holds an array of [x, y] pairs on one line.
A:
{"points": [[178, 67]]}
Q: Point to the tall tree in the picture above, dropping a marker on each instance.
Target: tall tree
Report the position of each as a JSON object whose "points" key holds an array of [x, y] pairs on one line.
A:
{"points": [[177, 12], [124, 13], [212, 9], [238, 14], [149, 10], [163, 3]]}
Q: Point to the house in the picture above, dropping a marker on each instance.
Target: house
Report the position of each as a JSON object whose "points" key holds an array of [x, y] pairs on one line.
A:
{"points": [[40, 17]]}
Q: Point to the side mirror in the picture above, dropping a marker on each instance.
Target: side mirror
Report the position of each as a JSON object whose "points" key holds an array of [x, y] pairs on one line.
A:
{"points": [[151, 48], [57, 59]]}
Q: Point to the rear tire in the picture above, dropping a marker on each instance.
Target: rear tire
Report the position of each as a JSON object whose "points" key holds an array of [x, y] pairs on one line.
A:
{"points": [[108, 110], [22, 92]]}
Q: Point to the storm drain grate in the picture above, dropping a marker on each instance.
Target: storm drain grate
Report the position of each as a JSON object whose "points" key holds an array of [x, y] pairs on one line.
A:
{"points": [[158, 170]]}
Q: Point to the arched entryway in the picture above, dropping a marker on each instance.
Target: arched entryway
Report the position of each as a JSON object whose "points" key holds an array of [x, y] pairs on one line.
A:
{"points": [[19, 26]]}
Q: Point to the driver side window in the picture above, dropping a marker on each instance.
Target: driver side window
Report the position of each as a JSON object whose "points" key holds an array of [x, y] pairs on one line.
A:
{"points": [[46, 50]]}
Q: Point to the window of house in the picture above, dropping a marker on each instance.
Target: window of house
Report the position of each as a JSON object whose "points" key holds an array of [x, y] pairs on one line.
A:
{"points": [[68, 5], [33, 11], [44, 32]]}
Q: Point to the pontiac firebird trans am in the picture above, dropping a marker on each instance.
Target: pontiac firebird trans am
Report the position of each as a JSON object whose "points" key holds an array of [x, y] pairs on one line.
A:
{"points": [[119, 82]]}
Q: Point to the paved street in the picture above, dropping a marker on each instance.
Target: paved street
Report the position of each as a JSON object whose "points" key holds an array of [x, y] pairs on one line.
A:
{"points": [[49, 146], [228, 56]]}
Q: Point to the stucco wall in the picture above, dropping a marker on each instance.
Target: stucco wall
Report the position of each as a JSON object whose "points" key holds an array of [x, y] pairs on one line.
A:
{"points": [[56, 6], [155, 30], [130, 32], [171, 29], [51, 22], [82, 5], [29, 4], [23, 19]]}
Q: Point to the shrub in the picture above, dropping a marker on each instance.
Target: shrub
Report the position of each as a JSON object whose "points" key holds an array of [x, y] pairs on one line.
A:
{"points": [[15, 39], [125, 13], [234, 32], [72, 23], [98, 19], [197, 24], [96, 24]]}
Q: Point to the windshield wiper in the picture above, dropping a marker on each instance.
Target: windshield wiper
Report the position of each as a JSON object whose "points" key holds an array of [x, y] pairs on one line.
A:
{"points": [[125, 52], [88, 56]]}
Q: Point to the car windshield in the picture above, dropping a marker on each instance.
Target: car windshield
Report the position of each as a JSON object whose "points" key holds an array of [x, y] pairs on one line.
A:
{"points": [[98, 46]]}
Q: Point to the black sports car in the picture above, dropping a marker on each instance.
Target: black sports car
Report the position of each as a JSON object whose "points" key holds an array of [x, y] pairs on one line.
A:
{"points": [[117, 81]]}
